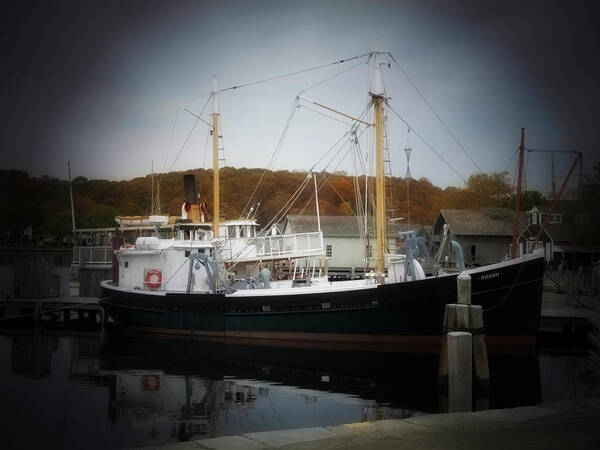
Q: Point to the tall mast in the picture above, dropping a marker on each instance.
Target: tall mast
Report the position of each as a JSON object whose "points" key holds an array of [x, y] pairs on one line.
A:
{"points": [[513, 249], [215, 132], [71, 195], [152, 199], [158, 211], [378, 98]]}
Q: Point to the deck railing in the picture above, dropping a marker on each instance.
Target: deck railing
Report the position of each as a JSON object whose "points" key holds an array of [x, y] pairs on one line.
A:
{"points": [[275, 247], [93, 255], [290, 245]]}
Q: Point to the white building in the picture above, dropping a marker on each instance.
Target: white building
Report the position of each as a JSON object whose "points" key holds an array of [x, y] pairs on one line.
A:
{"points": [[343, 240]]}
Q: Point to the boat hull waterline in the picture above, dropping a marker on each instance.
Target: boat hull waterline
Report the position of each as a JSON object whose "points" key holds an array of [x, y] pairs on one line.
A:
{"points": [[396, 313]]}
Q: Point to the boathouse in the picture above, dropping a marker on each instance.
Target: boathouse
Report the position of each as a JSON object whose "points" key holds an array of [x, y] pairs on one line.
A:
{"points": [[485, 235], [571, 232]]}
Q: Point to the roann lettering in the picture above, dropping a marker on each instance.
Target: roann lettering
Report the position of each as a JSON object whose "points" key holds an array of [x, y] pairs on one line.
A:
{"points": [[487, 276]]}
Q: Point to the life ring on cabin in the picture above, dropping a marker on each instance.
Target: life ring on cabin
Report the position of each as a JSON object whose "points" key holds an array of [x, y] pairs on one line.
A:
{"points": [[153, 279]]}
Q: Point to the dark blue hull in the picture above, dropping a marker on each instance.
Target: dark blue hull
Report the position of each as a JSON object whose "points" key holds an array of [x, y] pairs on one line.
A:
{"points": [[396, 313]]}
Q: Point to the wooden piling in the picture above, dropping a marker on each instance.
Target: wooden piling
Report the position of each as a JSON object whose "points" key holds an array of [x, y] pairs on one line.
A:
{"points": [[463, 287], [460, 370], [482, 370], [464, 317]]}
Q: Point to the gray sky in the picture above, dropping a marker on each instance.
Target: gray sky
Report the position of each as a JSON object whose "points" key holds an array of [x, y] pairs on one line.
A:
{"points": [[99, 83]]}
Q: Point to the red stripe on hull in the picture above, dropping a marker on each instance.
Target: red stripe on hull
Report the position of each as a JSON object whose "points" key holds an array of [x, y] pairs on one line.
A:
{"points": [[512, 345]]}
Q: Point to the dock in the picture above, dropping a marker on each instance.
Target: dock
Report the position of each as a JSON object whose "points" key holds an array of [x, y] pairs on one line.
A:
{"points": [[64, 309], [558, 425], [568, 313]]}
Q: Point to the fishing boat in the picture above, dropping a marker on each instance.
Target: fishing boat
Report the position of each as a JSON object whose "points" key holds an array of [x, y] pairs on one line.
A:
{"points": [[208, 282]]}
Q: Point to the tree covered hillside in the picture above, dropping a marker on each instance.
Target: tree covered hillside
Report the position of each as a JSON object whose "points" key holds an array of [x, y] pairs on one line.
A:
{"points": [[43, 203]]}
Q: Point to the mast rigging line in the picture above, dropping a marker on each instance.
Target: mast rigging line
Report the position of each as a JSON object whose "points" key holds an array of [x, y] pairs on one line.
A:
{"points": [[331, 77], [426, 143], [271, 162], [295, 106], [434, 112], [277, 77], [511, 159], [327, 175], [198, 119]]}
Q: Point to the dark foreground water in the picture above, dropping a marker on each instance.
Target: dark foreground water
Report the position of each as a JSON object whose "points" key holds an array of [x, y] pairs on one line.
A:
{"points": [[85, 390]]}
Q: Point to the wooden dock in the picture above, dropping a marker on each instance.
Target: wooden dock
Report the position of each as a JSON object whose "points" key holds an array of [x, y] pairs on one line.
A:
{"points": [[563, 312], [64, 309]]}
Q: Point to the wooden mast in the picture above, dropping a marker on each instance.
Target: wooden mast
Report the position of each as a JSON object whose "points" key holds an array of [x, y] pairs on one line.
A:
{"points": [[514, 247], [379, 183], [378, 99]]}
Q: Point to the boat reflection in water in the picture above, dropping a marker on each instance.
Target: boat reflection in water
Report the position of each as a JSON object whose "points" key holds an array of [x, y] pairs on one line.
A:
{"points": [[124, 391]]}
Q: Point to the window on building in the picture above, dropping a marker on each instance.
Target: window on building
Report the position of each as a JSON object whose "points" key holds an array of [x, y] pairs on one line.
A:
{"points": [[328, 251], [473, 250], [369, 251], [582, 219], [555, 218], [533, 218]]}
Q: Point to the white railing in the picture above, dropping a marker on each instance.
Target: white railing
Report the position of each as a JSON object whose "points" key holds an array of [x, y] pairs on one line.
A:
{"points": [[275, 247], [93, 255]]}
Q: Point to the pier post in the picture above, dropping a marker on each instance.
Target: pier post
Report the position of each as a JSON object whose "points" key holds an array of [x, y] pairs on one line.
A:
{"points": [[463, 287], [460, 369], [482, 370], [464, 317]]}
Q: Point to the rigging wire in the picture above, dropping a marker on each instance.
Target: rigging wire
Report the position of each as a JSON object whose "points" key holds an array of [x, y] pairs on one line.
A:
{"points": [[325, 115], [295, 106], [434, 112], [271, 162], [190, 133], [427, 143], [277, 77], [171, 138], [511, 158], [330, 78]]}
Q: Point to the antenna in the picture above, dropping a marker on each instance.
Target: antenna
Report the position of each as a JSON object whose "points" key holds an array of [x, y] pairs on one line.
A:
{"points": [[408, 176]]}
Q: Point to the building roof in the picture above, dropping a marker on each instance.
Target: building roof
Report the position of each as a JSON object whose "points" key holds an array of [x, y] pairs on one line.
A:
{"points": [[581, 234], [485, 222], [340, 226], [566, 207]]}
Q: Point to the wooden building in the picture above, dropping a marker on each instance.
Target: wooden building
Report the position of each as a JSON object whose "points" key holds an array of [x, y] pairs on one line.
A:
{"points": [[343, 239], [571, 235], [484, 235]]}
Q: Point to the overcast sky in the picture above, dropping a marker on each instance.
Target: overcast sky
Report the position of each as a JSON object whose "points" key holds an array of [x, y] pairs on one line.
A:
{"points": [[99, 83]]}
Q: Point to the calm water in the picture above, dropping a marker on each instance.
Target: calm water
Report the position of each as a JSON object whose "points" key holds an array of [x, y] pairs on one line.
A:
{"points": [[91, 391]]}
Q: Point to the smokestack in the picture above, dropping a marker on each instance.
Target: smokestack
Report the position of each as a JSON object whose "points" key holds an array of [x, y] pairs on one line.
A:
{"points": [[191, 194]]}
